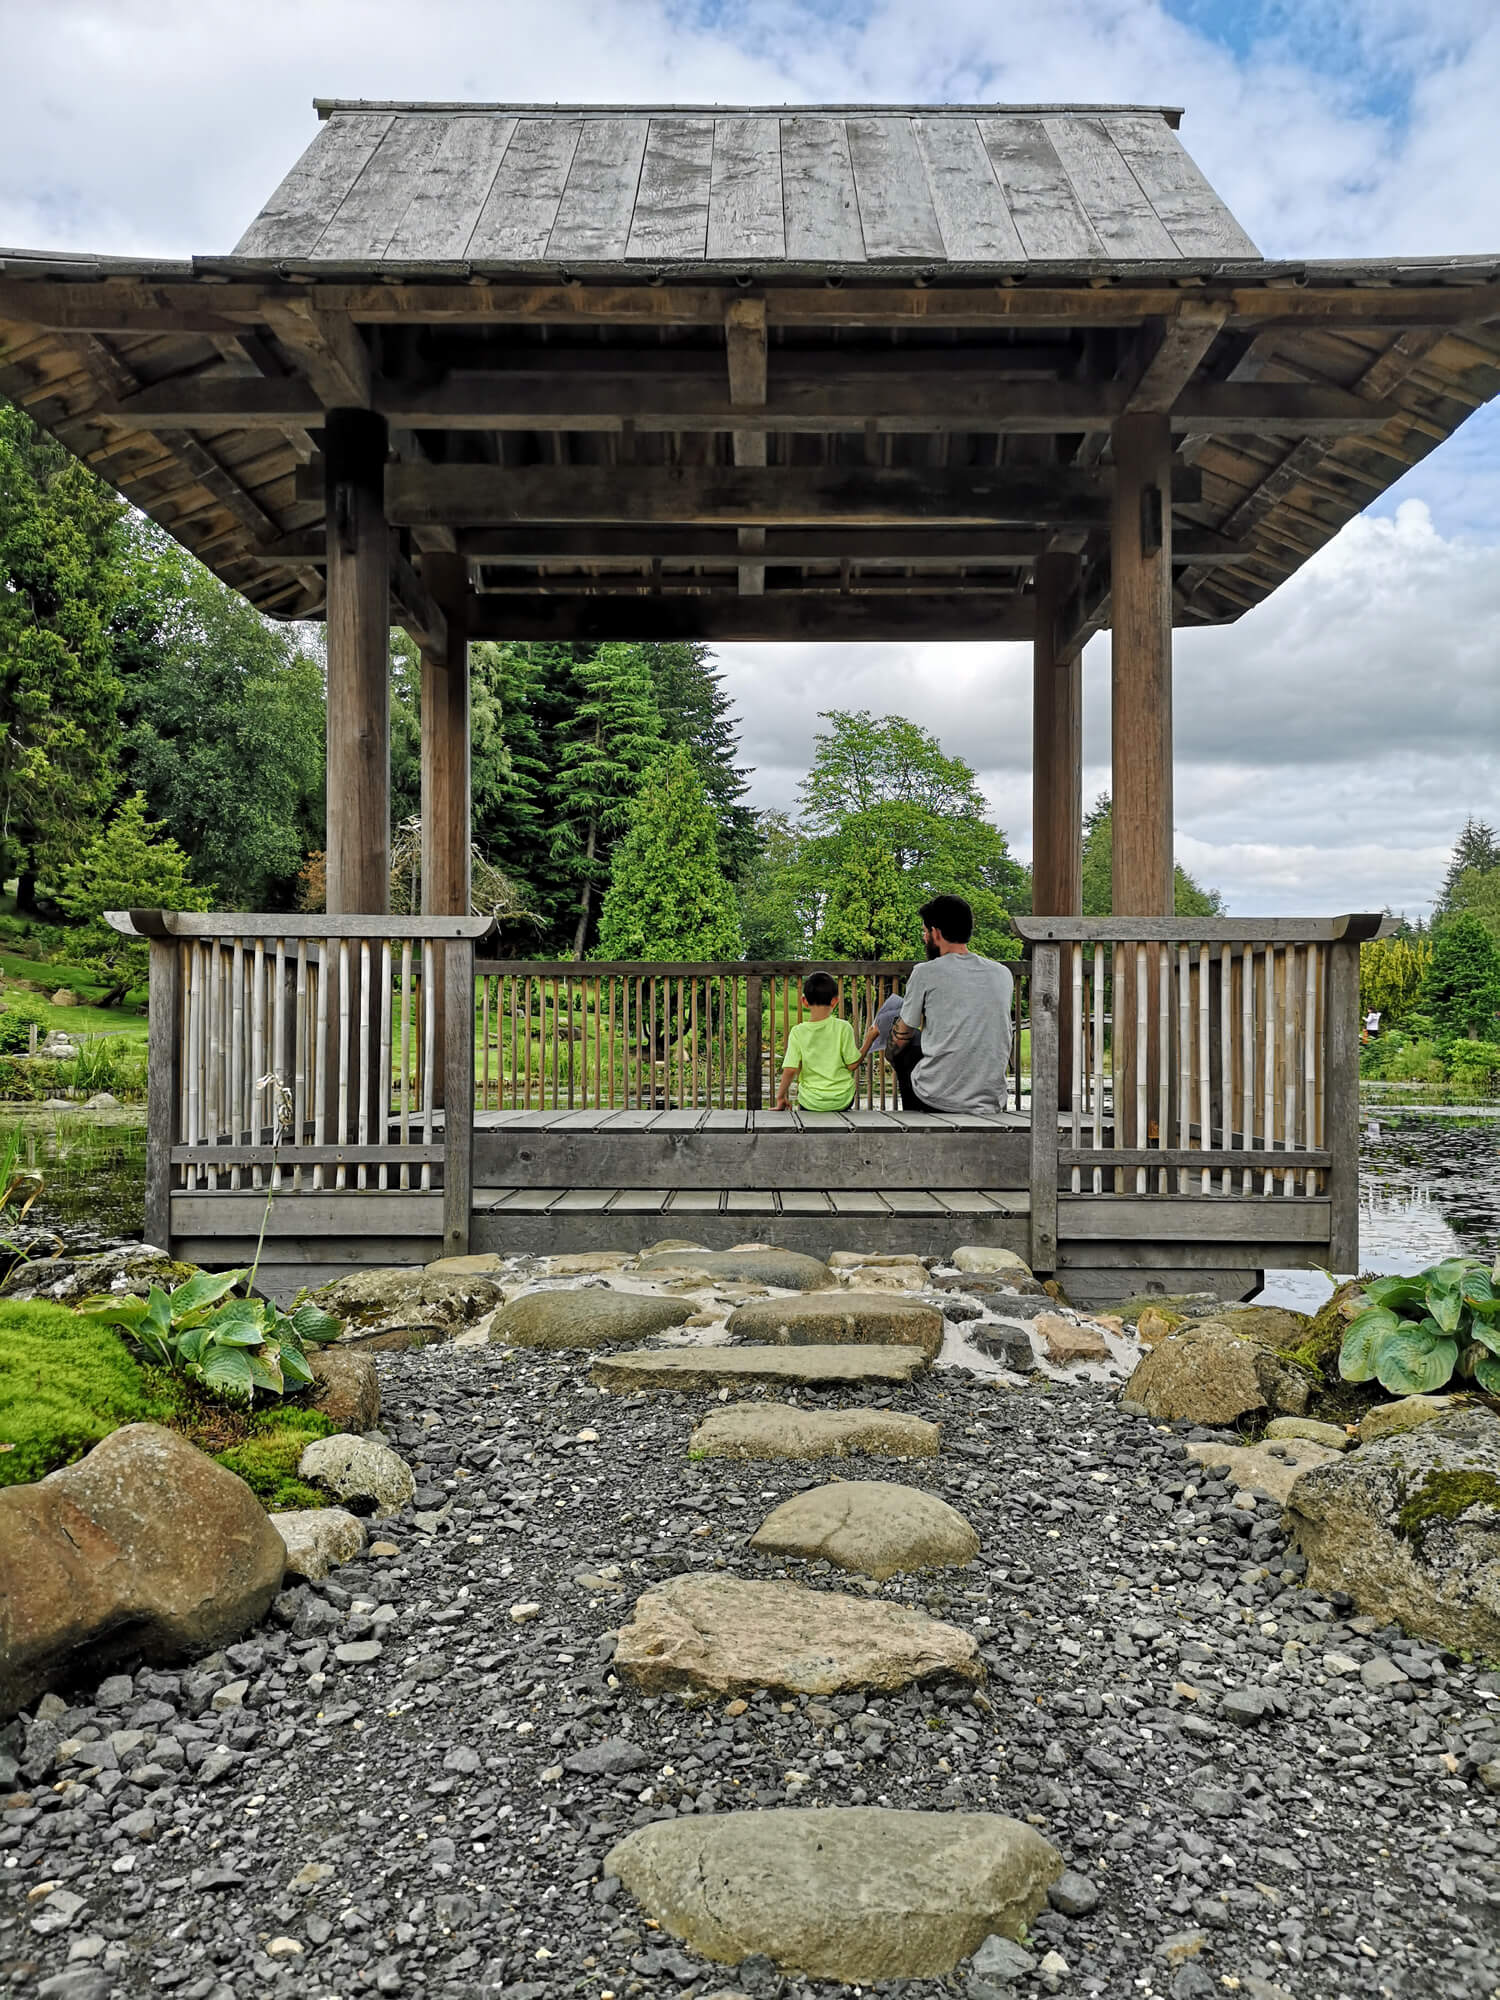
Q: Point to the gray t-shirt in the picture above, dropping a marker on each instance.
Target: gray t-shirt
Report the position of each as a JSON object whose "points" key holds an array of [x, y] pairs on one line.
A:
{"points": [[962, 1006]]}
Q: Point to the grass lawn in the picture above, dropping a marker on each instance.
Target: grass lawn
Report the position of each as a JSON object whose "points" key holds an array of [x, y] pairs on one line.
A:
{"points": [[41, 979]]}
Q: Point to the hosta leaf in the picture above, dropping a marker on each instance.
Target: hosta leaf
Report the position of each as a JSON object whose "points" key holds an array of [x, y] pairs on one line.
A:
{"points": [[226, 1371], [1487, 1336], [237, 1334], [1396, 1292], [238, 1312], [1409, 1363], [190, 1345], [1487, 1375], [1445, 1304], [312, 1323], [1478, 1288], [114, 1311], [265, 1367], [204, 1288], [158, 1312], [294, 1366], [1357, 1355]]}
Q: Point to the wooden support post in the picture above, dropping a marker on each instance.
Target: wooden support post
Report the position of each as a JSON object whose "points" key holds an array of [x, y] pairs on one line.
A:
{"points": [[359, 688], [754, 1053], [446, 841], [1057, 772], [1046, 984], [1141, 733], [457, 960], [163, 1084], [1341, 1105]]}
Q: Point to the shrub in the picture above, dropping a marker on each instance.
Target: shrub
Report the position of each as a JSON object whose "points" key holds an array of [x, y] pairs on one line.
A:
{"points": [[1418, 1333], [65, 1383], [107, 1062], [231, 1346], [1474, 1067], [21, 1014]]}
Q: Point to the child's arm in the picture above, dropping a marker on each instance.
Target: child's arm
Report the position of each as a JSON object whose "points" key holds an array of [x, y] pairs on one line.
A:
{"points": [[783, 1090], [872, 1035]]}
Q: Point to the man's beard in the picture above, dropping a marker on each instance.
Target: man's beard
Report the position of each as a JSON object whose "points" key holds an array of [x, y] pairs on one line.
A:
{"points": [[933, 950]]}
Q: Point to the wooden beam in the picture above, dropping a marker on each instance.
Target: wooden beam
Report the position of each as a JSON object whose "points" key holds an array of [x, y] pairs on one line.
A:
{"points": [[359, 723], [328, 349], [828, 617], [472, 496], [916, 400], [1141, 669], [414, 608], [1176, 348], [745, 341]]}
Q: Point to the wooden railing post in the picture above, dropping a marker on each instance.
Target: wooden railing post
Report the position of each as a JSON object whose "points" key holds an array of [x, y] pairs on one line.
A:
{"points": [[1341, 1105], [458, 1113], [163, 1084], [753, 1049], [1046, 982]]}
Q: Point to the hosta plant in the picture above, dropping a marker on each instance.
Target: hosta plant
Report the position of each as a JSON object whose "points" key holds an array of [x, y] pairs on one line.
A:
{"points": [[232, 1346], [1418, 1334]]}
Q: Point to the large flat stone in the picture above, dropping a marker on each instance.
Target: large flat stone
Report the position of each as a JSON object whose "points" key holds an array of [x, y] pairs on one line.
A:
{"points": [[869, 1525], [747, 1367], [591, 1317], [780, 1430], [848, 1893], [788, 1270], [1272, 1468], [726, 1635], [1408, 1413], [392, 1309], [870, 1319]]}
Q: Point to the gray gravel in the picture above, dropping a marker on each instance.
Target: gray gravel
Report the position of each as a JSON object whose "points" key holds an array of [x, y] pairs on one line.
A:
{"points": [[405, 1782]]}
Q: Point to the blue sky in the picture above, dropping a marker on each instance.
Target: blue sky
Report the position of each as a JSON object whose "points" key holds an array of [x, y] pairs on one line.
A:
{"points": [[1330, 744]]}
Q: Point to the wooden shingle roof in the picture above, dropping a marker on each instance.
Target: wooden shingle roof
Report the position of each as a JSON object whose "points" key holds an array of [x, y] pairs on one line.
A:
{"points": [[952, 189]]}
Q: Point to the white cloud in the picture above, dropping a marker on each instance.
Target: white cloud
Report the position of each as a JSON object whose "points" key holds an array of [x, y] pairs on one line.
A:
{"points": [[1330, 743]]}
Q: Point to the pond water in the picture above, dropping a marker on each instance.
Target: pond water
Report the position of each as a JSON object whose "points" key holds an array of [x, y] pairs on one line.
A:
{"points": [[1429, 1185]]}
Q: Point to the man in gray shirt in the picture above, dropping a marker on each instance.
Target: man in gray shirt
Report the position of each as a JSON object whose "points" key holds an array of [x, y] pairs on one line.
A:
{"points": [[951, 1045]]}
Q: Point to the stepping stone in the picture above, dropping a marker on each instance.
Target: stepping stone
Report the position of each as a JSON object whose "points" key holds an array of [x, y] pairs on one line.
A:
{"points": [[846, 1893], [789, 1270], [875, 1319], [748, 1367], [594, 1317], [1333, 1435], [1067, 1343], [780, 1430], [979, 1257], [725, 1635], [869, 1525]]}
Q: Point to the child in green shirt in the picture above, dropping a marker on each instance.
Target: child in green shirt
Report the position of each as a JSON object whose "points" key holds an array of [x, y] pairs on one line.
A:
{"points": [[821, 1051]]}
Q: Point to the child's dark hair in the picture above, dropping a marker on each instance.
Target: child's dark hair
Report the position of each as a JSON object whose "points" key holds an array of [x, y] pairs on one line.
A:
{"points": [[820, 989]]}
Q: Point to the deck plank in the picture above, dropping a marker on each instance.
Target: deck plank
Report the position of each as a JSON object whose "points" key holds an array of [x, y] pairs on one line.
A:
{"points": [[804, 1201], [857, 1201], [695, 1201], [574, 1199], [911, 1201], [749, 1201], [727, 1121], [639, 1201], [968, 1201]]}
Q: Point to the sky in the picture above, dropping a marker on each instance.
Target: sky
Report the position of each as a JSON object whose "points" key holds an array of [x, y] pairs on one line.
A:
{"points": [[1328, 745]]}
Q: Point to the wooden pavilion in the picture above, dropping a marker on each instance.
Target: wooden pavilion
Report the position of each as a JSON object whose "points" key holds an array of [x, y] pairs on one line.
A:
{"points": [[833, 373]]}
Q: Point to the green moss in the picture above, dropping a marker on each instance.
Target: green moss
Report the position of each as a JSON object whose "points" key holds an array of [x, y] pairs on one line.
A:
{"points": [[267, 1458], [1444, 1496], [65, 1383]]}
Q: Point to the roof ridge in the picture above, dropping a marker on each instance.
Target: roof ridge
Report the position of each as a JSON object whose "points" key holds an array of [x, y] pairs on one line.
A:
{"points": [[327, 106]]}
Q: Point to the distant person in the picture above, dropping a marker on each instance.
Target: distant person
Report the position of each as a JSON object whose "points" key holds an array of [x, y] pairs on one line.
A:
{"points": [[951, 1043], [820, 1052]]}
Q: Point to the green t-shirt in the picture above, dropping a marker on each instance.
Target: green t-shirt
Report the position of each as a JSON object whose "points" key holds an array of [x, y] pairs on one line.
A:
{"points": [[822, 1052]]}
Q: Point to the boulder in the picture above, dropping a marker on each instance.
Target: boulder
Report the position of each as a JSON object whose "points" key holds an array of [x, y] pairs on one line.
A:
{"points": [[390, 1310], [979, 1258], [130, 1272], [869, 1319], [852, 1894], [1333, 1435], [1407, 1414], [787, 1270], [594, 1317], [318, 1539], [1208, 1374], [1006, 1343], [1269, 1326], [887, 1278], [1067, 1342], [1409, 1526], [346, 1388], [1155, 1323], [1272, 1468], [779, 1430], [483, 1264], [868, 1525], [724, 1635], [1005, 1293], [144, 1549], [367, 1476], [65, 997], [750, 1367]]}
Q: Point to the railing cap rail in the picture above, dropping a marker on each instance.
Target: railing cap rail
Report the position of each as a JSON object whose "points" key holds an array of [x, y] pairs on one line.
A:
{"points": [[630, 968], [1352, 929], [291, 924]]}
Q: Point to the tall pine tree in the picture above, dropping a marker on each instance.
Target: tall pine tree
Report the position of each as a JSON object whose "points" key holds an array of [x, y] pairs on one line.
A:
{"points": [[695, 710], [615, 736], [1475, 852], [668, 897]]}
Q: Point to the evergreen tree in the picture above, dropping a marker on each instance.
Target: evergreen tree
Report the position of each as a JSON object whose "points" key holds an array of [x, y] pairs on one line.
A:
{"points": [[780, 893], [1477, 892], [1477, 851], [510, 810], [695, 710], [614, 738], [869, 912], [132, 863], [668, 898], [1191, 899], [60, 584], [1461, 990]]}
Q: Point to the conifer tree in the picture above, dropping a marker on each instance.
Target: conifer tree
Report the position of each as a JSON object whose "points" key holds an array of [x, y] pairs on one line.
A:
{"points": [[1476, 851], [668, 897], [614, 738], [695, 710], [1461, 989], [129, 864], [869, 913]]}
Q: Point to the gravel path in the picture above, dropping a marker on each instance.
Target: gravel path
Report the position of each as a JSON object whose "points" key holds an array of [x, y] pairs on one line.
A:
{"points": [[1261, 1805]]}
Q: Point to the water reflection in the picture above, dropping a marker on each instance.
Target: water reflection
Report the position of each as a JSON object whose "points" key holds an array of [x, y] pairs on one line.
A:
{"points": [[93, 1165]]}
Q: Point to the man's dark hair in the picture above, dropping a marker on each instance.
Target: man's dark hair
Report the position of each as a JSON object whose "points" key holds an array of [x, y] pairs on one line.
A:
{"points": [[951, 915], [820, 989]]}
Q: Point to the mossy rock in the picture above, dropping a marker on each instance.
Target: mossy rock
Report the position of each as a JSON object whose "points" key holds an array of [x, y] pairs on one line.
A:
{"points": [[68, 1281], [1173, 1305], [1268, 1326], [1443, 1497], [267, 1460]]}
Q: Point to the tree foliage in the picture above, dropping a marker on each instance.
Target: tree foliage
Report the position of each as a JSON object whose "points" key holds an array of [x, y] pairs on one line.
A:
{"points": [[615, 737], [1391, 972], [1475, 852], [695, 710], [1190, 898], [1461, 990], [130, 863], [1476, 893], [668, 897], [869, 912]]}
